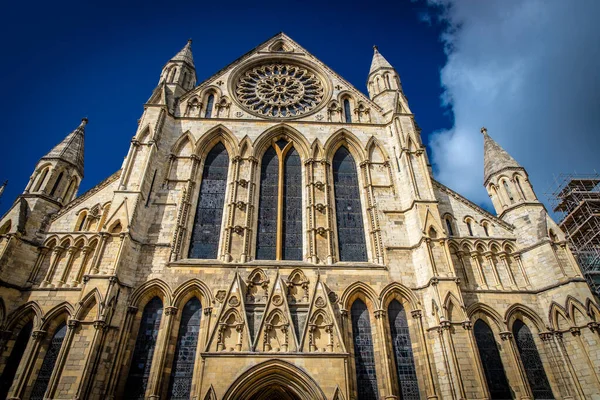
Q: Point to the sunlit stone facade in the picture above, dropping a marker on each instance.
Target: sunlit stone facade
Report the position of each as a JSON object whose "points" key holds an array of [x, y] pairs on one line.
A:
{"points": [[274, 233]]}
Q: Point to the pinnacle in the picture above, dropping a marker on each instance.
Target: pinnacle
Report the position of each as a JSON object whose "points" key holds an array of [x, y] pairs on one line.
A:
{"points": [[71, 148], [379, 62], [495, 158], [185, 54]]}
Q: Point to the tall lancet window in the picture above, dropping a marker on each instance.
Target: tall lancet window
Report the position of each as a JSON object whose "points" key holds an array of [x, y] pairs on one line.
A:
{"points": [[10, 370], [491, 361], [348, 211], [280, 204], [347, 111], [210, 102], [538, 381], [141, 362], [364, 355], [508, 192], [43, 379], [185, 352], [403, 353], [206, 232]]}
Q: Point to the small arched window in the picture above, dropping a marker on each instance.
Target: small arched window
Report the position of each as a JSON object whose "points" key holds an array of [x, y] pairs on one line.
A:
{"points": [[534, 369], [449, 226], [41, 179], [210, 102], [141, 362], [387, 81], [347, 111], [10, 370], [364, 355], [486, 228], [518, 182], [180, 386], [43, 379], [56, 184], [469, 227], [491, 361], [508, 191], [82, 220]]}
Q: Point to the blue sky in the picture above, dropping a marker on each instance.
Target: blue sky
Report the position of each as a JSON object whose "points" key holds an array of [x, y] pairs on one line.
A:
{"points": [[462, 65]]}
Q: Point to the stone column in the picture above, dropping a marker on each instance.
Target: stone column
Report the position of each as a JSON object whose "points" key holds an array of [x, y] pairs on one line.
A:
{"points": [[507, 337], [65, 274], [61, 359], [81, 270], [431, 389], [20, 384], [564, 384], [160, 354], [56, 254], [558, 339], [522, 269], [479, 268], [116, 368], [511, 276], [42, 252], [468, 326], [490, 259], [386, 361], [94, 269], [92, 359], [460, 255]]}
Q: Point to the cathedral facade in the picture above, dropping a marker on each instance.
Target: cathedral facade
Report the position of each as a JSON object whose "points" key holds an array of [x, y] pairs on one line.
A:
{"points": [[273, 233]]}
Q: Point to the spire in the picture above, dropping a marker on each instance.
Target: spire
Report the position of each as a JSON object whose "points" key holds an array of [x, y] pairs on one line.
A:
{"points": [[71, 148], [185, 54], [379, 62], [495, 158]]}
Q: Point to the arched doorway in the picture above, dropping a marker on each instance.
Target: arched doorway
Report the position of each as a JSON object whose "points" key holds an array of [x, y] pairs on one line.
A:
{"points": [[274, 380]]}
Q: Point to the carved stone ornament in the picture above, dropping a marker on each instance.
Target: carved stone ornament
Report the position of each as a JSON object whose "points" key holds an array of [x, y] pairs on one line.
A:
{"points": [[239, 114], [320, 302], [319, 185], [320, 207], [238, 229], [277, 300], [279, 90], [234, 301], [321, 231], [319, 117], [333, 297], [221, 296], [243, 182]]}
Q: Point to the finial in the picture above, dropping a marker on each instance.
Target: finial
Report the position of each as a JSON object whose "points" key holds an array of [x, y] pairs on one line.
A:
{"points": [[190, 41], [84, 121], [483, 130], [376, 48]]}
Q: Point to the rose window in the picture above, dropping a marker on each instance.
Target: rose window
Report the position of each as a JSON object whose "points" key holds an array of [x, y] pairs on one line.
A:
{"points": [[279, 90]]}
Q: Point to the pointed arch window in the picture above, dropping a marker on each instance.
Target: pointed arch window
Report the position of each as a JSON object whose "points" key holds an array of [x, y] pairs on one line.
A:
{"points": [[43, 379], [185, 352], [347, 111], [403, 353], [41, 179], [534, 369], [141, 362], [280, 204], [508, 191], [56, 183], [364, 355], [449, 226], [206, 232], [348, 210], [491, 361], [469, 227], [518, 182], [12, 364], [210, 102]]}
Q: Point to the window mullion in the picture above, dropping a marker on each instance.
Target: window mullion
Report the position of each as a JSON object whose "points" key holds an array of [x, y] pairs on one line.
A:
{"points": [[279, 245]]}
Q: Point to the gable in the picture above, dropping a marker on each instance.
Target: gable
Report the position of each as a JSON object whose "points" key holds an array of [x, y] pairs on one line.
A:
{"points": [[278, 80]]}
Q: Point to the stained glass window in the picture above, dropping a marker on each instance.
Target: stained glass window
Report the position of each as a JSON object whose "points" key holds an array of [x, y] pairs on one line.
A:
{"points": [[209, 106], [538, 381], [209, 212], [14, 359], [43, 378], [364, 357], [141, 362], [348, 211], [292, 207], [266, 241], [185, 352], [347, 113], [491, 361], [403, 353]]}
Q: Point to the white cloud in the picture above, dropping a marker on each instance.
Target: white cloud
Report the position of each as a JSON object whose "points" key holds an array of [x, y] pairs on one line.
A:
{"points": [[530, 72]]}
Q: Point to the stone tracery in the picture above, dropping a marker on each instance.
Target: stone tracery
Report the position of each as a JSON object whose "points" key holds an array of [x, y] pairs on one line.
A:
{"points": [[280, 90]]}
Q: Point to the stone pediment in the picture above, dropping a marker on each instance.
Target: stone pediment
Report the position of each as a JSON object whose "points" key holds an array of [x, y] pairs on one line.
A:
{"points": [[278, 80]]}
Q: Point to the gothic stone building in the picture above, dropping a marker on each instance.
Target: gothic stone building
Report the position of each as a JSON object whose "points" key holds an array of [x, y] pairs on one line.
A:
{"points": [[274, 233]]}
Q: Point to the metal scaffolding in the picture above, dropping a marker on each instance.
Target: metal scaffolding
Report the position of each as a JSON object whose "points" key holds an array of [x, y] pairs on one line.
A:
{"points": [[576, 198]]}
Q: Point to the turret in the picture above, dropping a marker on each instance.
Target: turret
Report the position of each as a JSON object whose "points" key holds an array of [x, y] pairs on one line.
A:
{"points": [[511, 192], [383, 83], [180, 72], [58, 174]]}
